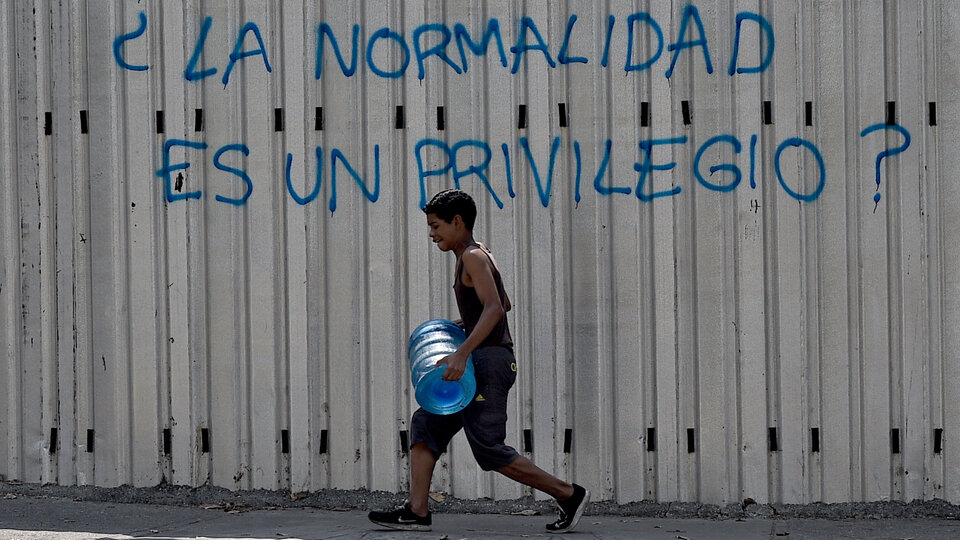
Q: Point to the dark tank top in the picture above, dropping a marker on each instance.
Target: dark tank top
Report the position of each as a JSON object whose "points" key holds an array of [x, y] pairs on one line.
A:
{"points": [[471, 307]]}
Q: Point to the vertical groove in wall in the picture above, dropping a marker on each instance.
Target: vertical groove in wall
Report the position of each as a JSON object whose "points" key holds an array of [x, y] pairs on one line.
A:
{"points": [[9, 435]]}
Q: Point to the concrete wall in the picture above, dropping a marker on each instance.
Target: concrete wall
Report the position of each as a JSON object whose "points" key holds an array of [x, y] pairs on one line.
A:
{"points": [[729, 230]]}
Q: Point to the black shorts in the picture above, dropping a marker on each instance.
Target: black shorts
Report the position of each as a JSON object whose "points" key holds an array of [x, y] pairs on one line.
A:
{"points": [[484, 420]]}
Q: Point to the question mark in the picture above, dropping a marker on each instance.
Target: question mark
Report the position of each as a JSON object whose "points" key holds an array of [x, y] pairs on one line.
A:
{"points": [[886, 153]]}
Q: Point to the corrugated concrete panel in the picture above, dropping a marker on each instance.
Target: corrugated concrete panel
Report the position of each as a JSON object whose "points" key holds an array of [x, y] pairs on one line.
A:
{"points": [[728, 230]]}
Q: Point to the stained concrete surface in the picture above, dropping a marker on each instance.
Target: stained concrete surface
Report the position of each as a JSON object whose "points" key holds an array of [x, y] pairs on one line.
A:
{"points": [[32, 512]]}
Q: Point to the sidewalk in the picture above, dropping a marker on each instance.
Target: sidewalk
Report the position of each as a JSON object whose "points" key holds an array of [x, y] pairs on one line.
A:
{"points": [[35, 518]]}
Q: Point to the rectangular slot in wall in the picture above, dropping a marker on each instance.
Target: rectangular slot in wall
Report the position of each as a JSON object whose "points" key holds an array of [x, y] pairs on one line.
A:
{"points": [[567, 440], [685, 109], [522, 117], [323, 441], [932, 113], [815, 439], [160, 123], [767, 113], [90, 439], [808, 113], [645, 114], [441, 120], [563, 114], [651, 439], [399, 120], [167, 441], [54, 435], [895, 441], [938, 441], [527, 440], [891, 113], [404, 441], [197, 120], [318, 119], [278, 119], [691, 440], [48, 123], [284, 441], [772, 443], [84, 126], [204, 440]]}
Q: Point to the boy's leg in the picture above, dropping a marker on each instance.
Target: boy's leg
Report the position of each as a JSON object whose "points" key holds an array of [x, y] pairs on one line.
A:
{"points": [[571, 499], [485, 424], [422, 463], [429, 431], [526, 472]]}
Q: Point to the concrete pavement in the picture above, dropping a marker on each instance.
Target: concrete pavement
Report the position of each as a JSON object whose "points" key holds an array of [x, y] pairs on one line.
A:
{"points": [[26, 517]]}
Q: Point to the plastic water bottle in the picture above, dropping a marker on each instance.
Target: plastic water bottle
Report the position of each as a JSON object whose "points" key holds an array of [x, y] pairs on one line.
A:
{"points": [[429, 343]]}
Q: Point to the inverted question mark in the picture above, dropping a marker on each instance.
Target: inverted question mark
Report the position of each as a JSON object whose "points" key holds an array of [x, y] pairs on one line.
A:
{"points": [[886, 153]]}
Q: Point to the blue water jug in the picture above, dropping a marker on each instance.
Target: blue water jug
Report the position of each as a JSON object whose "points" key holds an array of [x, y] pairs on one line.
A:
{"points": [[429, 343]]}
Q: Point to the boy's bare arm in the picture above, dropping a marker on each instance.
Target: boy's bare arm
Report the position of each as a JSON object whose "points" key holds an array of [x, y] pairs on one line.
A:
{"points": [[506, 297]]}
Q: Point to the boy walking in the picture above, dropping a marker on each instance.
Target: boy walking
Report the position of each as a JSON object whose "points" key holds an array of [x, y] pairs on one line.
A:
{"points": [[483, 304]]}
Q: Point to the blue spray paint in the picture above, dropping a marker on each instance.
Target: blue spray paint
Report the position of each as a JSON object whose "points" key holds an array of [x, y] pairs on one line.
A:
{"points": [[544, 192], [239, 54], [452, 162], [562, 57], [242, 174], [690, 12], [576, 186], [372, 196], [611, 20], [767, 31], [462, 37], [647, 167], [168, 168], [690, 35], [474, 169], [522, 46], [325, 30], [438, 50], [316, 187], [190, 73], [506, 166], [631, 22], [601, 171], [120, 40], [476, 161], [886, 153], [737, 175], [798, 142], [386, 33], [423, 174]]}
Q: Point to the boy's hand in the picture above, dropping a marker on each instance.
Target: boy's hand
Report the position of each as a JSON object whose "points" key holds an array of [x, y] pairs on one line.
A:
{"points": [[456, 364]]}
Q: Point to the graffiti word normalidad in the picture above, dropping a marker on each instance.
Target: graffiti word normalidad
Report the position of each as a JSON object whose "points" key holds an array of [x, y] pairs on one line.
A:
{"points": [[447, 46]]}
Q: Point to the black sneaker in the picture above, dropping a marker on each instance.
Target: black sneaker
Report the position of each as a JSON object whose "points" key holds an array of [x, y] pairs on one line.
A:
{"points": [[402, 518], [570, 510]]}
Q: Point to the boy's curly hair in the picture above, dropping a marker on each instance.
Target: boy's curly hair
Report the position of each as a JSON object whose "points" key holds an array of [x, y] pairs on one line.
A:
{"points": [[453, 202]]}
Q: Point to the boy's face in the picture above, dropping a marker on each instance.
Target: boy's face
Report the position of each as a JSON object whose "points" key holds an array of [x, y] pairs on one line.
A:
{"points": [[445, 235]]}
